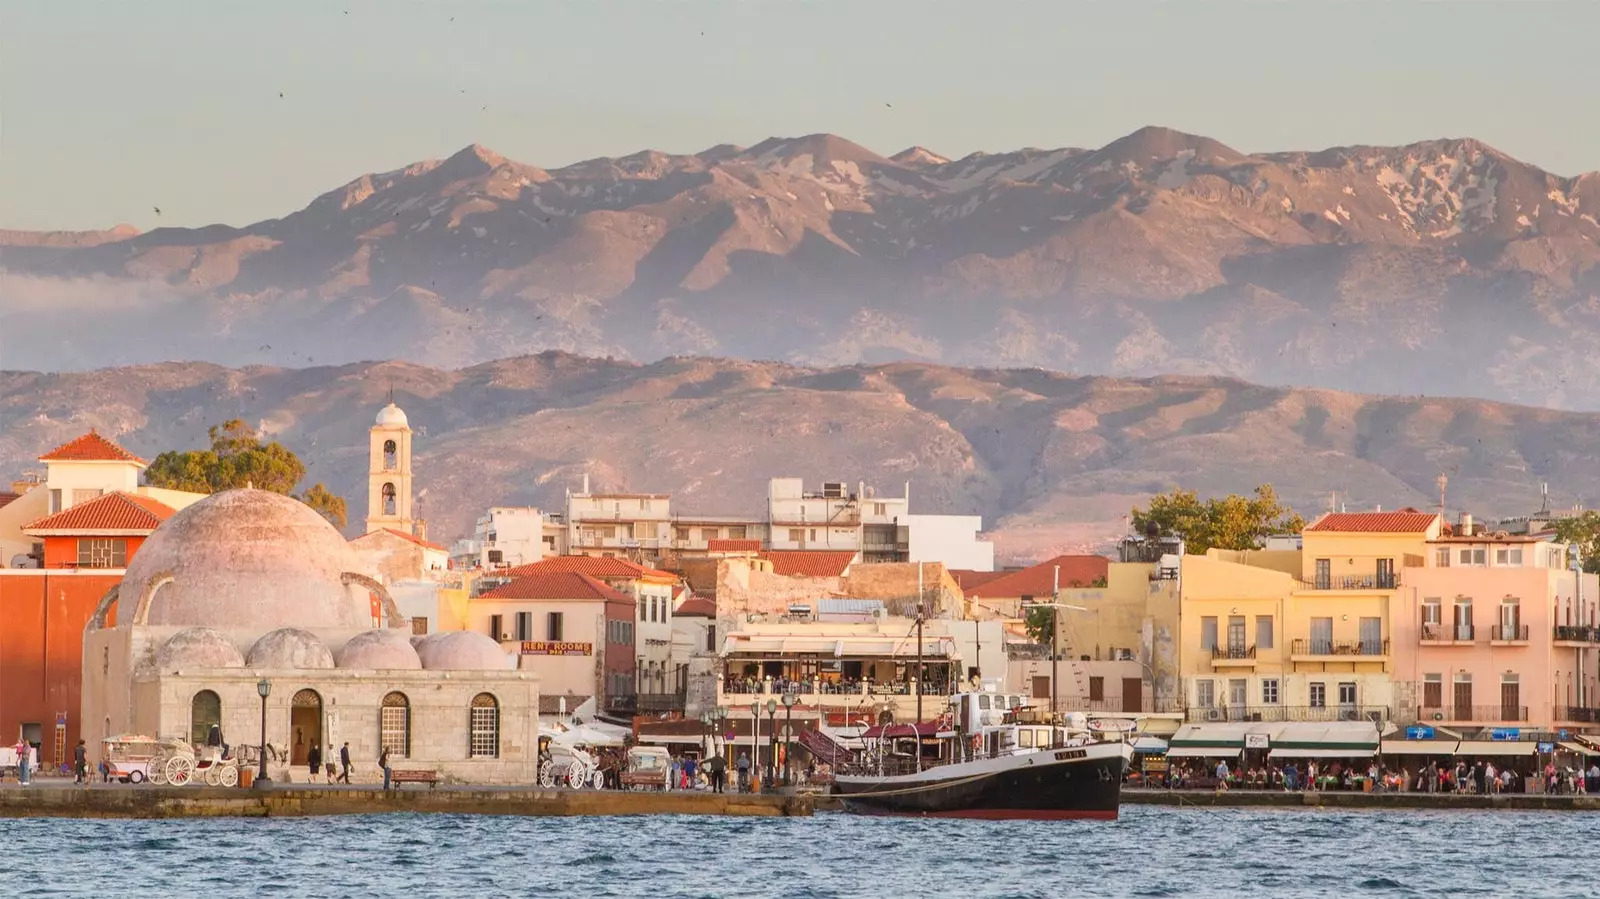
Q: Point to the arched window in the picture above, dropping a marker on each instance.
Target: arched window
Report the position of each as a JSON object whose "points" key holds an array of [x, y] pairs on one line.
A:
{"points": [[205, 712], [485, 732], [388, 499], [390, 456], [394, 725]]}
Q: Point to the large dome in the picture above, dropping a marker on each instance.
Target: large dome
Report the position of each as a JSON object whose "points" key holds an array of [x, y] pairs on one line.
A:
{"points": [[247, 560], [380, 650], [289, 648], [462, 651], [198, 647]]}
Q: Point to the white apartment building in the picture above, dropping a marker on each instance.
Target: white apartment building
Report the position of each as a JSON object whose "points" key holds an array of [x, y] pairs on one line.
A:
{"points": [[617, 524], [508, 536]]}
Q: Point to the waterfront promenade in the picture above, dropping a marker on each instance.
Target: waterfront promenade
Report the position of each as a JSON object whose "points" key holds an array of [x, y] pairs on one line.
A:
{"points": [[1355, 799]]}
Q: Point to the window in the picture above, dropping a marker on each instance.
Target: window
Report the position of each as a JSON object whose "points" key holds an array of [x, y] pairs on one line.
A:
{"points": [[1441, 557], [1511, 557], [1510, 697], [1385, 574], [1463, 618], [1263, 631], [813, 534], [388, 499], [711, 638], [484, 742], [390, 456], [1463, 697], [708, 534], [1324, 574], [1511, 618], [394, 725], [1236, 633], [1319, 695], [1205, 694], [55, 501], [555, 626], [419, 626], [205, 712], [880, 509], [736, 532], [644, 505], [101, 552], [1041, 688], [496, 556], [1097, 689], [1322, 636], [797, 535], [1371, 631], [680, 533], [1208, 632], [1236, 692], [1433, 691], [81, 495], [1269, 691], [1347, 693], [1472, 556], [524, 626], [497, 628]]}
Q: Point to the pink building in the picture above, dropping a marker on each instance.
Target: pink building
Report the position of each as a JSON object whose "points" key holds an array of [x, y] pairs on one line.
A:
{"points": [[1494, 630]]}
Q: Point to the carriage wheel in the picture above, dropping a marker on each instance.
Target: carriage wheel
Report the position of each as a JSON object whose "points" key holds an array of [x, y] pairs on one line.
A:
{"points": [[575, 777], [598, 780], [229, 776], [547, 775], [158, 772], [180, 770], [136, 777], [213, 775]]}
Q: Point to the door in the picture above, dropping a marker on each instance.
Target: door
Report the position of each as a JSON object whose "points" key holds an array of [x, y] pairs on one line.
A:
{"points": [[1236, 698], [1463, 620], [1321, 636], [1372, 636], [1132, 694], [1385, 574], [1510, 698], [1462, 710], [1236, 644], [1324, 574], [1041, 687], [1431, 619], [305, 725]]}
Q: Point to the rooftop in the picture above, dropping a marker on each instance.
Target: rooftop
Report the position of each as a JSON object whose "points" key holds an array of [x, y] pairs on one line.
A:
{"points": [[593, 566], [810, 562], [414, 539], [113, 512], [696, 607], [1043, 579], [91, 447], [733, 546], [555, 585], [1404, 521]]}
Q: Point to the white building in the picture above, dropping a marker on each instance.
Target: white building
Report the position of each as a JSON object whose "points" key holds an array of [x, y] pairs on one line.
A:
{"points": [[951, 540], [617, 524], [508, 536]]}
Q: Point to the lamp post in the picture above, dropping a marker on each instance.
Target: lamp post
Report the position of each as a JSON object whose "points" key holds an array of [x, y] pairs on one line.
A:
{"points": [[772, 743], [755, 735], [264, 688], [789, 700]]}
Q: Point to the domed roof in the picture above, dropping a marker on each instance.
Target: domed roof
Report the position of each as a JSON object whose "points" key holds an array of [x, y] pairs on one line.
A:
{"points": [[289, 647], [392, 416], [247, 560], [462, 651], [198, 647], [380, 650]]}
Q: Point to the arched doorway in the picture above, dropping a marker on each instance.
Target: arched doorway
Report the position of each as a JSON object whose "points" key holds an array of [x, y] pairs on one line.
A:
{"points": [[205, 712], [305, 725]]}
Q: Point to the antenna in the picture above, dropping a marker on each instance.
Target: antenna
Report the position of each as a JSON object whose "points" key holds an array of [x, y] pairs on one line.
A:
{"points": [[1444, 480], [391, 393]]}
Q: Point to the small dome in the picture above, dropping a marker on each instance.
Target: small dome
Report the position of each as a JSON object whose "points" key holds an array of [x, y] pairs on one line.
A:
{"points": [[289, 647], [462, 651], [198, 647], [392, 416], [380, 650]]}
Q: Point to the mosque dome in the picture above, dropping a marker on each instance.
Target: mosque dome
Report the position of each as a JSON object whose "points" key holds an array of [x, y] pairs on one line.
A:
{"points": [[462, 651], [289, 647], [380, 650], [198, 647], [247, 560], [392, 416]]}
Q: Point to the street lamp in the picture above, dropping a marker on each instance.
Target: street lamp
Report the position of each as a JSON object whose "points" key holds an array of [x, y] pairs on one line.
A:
{"points": [[264, 688], [789, 700], [721, 727], [755, 734], [772, 737]]}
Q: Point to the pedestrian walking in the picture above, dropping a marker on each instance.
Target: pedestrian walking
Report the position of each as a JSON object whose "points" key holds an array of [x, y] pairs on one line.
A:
{"points": [[383, 762], [717, 768], [743, 766], [314, 761], [24, 760], [344, 763], [80, 763]]}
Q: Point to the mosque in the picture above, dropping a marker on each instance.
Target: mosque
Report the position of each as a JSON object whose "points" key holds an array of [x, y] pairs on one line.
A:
{"points": [[249, 587]]}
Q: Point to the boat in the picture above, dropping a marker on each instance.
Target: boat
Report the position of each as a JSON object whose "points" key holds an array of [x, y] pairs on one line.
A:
{"points": [[981, 762]]}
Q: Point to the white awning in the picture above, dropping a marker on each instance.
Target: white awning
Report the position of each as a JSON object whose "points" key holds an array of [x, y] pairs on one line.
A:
{"points": [[1203, 752], [663, 739], [1149, 744], [833, 647], [1496, 747], [1418, 747], [1578, 748], [1320, 753]]}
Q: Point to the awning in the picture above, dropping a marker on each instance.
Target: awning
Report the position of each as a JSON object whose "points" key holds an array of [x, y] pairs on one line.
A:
{"points": [[1321, 753], [1418, 747], [1351, 738], [663, 739], [837, 646], [1578, 748], [1204, 752], [1496, 747], [1149, 745]]}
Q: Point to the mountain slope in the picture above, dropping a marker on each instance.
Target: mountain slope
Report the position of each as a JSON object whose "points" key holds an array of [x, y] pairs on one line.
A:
{"points": [[1385, 269], [1050, 460]]}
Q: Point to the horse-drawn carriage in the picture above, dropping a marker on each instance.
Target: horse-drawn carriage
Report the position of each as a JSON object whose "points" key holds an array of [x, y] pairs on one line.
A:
{"points": [[647, 768], [133, 758], [571, 766]]}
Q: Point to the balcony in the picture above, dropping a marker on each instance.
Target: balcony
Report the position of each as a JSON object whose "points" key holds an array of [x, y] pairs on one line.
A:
{"points": [[1338, 650], [1385, 581], [1576, 635], [1282, 713], [1577, 714], [647, 703], [1435, 634], [1475, 714], [623, 703], [1509, 634], [1233, 657]]}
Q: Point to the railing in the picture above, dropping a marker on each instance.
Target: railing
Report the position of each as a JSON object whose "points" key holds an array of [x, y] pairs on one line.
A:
{"points": [[1573, 633], [622, 702], [1281, 713], [1433, 632], [1578, 714], [748, 686], [659, 702], [1341, 647], [1509, 633], [1233, 652], [1475, 713], [1351, 582]]}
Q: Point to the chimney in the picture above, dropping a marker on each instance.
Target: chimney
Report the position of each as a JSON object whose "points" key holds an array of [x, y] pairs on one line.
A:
{"points": [[1466, 524], [586, 483], [420, 528]]}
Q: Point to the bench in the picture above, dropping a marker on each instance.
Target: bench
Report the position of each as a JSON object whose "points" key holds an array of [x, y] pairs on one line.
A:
{"points": [[399, 776]]}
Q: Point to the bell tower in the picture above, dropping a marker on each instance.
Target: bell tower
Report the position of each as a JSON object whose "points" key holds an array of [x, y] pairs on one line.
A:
{"points": [[389, 494]]}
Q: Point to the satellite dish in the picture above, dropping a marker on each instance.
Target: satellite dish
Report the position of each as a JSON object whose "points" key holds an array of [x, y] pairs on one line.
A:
{"points": [[24, 561]]}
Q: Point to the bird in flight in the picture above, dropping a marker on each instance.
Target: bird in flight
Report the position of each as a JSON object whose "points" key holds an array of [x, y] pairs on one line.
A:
{"points": [[157, 209]]}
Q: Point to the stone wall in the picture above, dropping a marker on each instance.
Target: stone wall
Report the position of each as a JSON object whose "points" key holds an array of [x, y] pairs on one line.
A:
{"points": [[744, 590], [896, 584]]}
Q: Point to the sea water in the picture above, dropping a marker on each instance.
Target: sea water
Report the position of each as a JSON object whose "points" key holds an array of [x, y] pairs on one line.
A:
{"points": [[1151, 851]]}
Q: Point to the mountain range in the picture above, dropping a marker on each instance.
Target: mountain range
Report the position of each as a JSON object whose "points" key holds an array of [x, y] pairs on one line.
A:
{"points": [[1440, 267], [1052, 461]]}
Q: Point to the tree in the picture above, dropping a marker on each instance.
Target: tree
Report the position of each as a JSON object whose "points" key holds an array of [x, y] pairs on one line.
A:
{"points": [[238, 458], [1041, 624], [1582, 532], [1229, 522]]}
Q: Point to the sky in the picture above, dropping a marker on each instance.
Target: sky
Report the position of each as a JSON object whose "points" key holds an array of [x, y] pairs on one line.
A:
{"points": [[109, 110]]}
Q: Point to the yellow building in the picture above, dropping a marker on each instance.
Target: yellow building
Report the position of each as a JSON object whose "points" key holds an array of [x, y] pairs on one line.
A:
{"points": [[1300, 636], [1121, 640]]}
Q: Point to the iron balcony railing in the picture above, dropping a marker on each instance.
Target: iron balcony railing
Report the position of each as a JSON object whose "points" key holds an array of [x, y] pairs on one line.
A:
{"points": [[1341, 647], [1283, 713], [1578, 714], [1434, 632], [1573, 633], [1485, 714], [1351, 582], [659, 702], [621, 702], [1506, 633], [1233, 652]]}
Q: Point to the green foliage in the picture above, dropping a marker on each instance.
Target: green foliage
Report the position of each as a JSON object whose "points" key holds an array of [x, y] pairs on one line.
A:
{"points": [[1041, 624], [238, 458], [1583, 533], [1229, 522]]}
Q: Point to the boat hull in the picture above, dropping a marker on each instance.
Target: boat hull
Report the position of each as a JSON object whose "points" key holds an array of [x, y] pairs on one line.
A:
{"points": [[1037, 785]]}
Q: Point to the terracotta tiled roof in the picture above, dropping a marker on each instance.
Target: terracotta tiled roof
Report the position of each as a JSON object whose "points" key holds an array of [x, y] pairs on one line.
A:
{"points": [[1040, 580], [6, 498], [556, 585], [1405, 521], [91, 447], [593, 566], [810, 562], [551, 704], [697, 607], [414, 539], [733, 546], [966, 579], [112, 512]]}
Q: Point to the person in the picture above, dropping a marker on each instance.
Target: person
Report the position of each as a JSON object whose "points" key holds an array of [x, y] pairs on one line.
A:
{"points": [[743, 767], [24, 759], [688, 773], [718, 770], [1222, 775], [344, 762], [80, 763], [314, 761], [674, 781]]}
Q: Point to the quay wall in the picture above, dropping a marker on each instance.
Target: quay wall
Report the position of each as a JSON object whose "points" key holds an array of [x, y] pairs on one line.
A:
{"points": [[208, 802], [1341, 799]]}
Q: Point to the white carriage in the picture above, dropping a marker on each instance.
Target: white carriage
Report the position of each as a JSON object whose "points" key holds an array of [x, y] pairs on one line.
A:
{"points": [[180, 764], [571, 766]]}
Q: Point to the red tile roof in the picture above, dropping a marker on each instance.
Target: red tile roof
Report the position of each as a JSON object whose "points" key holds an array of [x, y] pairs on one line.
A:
{"points": [[593, 566], [733, 546], [966, 579], [556, 585], [414, 539], [112, 512], [1040, 580], [697, 607], [7, 498], [810, 562], [91, 447], [1405, 521]]}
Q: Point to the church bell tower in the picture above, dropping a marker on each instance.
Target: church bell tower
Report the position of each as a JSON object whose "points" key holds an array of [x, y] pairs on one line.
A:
{"points": [[389, 472]]}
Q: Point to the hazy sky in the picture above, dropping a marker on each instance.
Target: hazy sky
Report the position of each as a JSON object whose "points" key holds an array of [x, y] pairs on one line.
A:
{"points": [[110, 108]]}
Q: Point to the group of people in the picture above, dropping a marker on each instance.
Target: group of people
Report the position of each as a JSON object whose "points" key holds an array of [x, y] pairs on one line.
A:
{"points": [[841, 687], [341, 773], [1482, 777]]}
